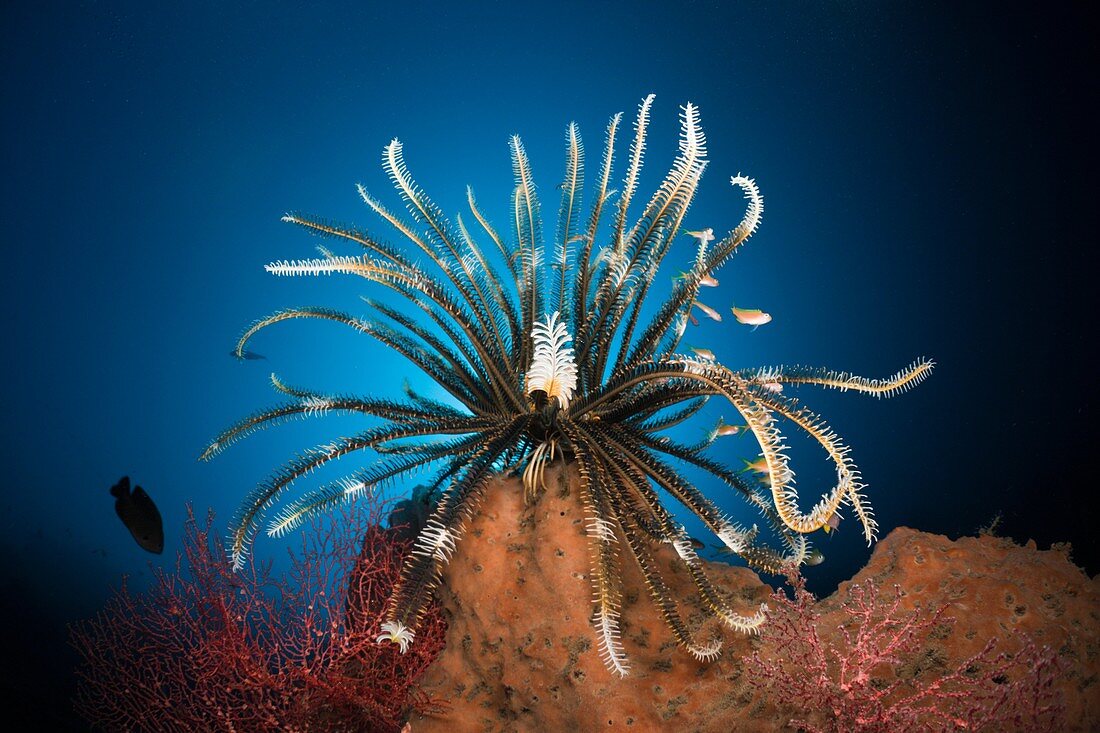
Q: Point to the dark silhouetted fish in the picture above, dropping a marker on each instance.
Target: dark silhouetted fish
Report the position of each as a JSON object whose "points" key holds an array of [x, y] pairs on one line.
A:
{"points": [[249, 355], [138, 512]]}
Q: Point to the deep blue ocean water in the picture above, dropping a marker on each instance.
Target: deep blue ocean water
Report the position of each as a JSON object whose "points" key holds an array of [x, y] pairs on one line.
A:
{"points": [[927, 184]]}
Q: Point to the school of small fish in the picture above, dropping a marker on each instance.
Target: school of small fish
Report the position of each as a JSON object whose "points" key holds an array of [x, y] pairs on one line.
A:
{"points": [[748, 316], [756, 318]]}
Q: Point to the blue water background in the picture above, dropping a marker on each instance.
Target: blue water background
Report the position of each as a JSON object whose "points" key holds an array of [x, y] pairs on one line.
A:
{"points": [[924, 175]]}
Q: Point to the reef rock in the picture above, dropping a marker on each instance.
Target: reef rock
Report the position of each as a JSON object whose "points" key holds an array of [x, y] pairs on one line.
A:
{"points": [[522, 656]]}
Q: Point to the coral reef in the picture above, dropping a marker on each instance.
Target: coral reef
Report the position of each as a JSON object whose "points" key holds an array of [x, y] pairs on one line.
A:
{"points": [[207, 649], [519, 656], [491, 326]]}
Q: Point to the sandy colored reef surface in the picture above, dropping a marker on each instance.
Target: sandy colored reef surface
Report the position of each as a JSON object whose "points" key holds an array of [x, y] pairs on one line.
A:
{"points": [[521, 652]]}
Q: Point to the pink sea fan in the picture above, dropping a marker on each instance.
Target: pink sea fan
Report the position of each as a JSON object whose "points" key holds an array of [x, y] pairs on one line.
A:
{"points": [[869, 676]]}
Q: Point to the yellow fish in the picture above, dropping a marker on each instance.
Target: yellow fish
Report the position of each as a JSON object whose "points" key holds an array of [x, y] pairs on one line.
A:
{"points": [[751, 316], [703, 235], [760, 465], [711, 313], [721, 430], [706, 280], [704, 353]]}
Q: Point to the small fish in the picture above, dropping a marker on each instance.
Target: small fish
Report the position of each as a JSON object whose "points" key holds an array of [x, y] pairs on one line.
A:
{"points": [[706, 354], [711, 313], [721, 430], [773, 387], [693, 319], [760, 465], [577, 238], [831, 523], [703, 235], [706, 280], [247, 355], [751, 316], [814, 557], [138, 512], [697, 544]]}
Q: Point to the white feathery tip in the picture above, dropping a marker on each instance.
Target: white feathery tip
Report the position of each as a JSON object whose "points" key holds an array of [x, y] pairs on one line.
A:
{"points": [[396, 632], [553, 369]]}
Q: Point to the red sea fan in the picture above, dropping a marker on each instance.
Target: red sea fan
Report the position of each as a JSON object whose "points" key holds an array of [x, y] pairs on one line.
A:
{"points": [[209, 649], [867, 676]]}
